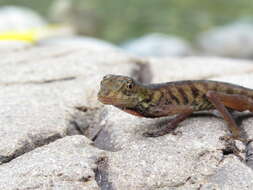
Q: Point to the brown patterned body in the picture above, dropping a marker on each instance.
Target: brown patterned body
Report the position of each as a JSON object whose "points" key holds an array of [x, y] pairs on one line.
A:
{"points": [[193, 93], [180, 98]]}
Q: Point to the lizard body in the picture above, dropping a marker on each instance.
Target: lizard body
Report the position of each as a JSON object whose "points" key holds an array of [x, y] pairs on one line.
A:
{"points": [[180, 97]]}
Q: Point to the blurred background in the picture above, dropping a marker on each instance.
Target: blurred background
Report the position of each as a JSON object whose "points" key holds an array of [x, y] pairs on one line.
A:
{"points": [[146, 27]]}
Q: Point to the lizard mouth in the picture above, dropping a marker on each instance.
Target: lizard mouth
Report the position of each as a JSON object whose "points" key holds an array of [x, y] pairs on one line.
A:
{"points": [[113, 101]]}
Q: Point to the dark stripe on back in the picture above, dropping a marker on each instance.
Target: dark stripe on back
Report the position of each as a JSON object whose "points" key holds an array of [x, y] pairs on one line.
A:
{"points": [[168, 102], [194, 90], [173, 97], [184, 95]]}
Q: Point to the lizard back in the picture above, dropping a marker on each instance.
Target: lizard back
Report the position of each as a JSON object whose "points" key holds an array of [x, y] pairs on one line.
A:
{"points": [[193, 92]]}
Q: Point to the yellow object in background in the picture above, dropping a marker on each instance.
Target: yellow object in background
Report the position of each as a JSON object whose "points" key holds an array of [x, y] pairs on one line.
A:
{"points": [[28, 36], [32, 35]]}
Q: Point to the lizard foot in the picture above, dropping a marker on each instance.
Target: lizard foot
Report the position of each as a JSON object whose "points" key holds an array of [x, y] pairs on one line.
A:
{"points": [[231, 147]]}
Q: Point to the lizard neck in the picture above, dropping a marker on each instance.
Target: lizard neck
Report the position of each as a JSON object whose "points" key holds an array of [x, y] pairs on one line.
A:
{"points": [[150, 98], [147, 99]]}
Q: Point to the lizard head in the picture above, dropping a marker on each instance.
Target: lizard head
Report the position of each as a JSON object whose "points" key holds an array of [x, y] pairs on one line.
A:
{"points": [[120, 91]]}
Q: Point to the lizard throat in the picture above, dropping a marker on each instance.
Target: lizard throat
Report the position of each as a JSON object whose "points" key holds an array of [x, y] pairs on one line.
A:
{"points": [[116, 101]]}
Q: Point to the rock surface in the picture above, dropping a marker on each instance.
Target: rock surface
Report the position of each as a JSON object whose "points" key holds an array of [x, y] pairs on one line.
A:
{"points": [[239, 42], [68, 163], [159, 45], [190, 68], [37, 94], [13, 18], [79, 41], [13, 45], [171, 161], [48, 103]]}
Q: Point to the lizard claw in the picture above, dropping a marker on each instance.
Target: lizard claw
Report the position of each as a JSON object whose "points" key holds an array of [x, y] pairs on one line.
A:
{"points": [[231, 147]]}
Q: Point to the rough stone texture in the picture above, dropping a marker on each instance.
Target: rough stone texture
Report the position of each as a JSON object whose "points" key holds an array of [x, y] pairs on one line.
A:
{"points": [[68, 163], [45, 65], [159, 45], [232, 174], [171, 69], [28, 119], [239, 42], [38, 94], [131, 128], [182, 161], [49, 92]]}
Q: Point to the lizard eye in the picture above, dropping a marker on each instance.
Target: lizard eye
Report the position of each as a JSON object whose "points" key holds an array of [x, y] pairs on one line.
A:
{"points": [[107, 76], [130, 84]]}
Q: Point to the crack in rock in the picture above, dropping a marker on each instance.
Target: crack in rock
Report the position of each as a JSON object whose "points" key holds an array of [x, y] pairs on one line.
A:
{"points": [[101, 174], [27, 147], [75, 129], [84, 121], [39, 82], [53, 55], [249, 155]]}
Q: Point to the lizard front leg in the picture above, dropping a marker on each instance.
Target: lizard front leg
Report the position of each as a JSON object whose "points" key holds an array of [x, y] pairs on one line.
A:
{"points": [[182, 111]]}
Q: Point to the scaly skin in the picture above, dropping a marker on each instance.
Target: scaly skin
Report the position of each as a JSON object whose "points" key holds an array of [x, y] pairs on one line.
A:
{"points": [[180, 97]]}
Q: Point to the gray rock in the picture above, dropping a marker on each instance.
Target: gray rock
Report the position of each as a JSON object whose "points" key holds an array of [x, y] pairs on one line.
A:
{"points": [[124, 128], [78, 41], [159, 45], [182, 161], [233, 40], [13, 46], [28, 120], [68, 163], [172, 69], [49, 92], [40, 89], [33, 66], [232, 174], [13, 18]]}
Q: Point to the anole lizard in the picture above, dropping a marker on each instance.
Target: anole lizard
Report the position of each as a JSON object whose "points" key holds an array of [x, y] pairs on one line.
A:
{"points": [[180, 98]]}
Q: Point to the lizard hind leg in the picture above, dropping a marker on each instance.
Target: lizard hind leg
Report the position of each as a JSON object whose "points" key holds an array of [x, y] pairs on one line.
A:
{"points": [[236, 102]]}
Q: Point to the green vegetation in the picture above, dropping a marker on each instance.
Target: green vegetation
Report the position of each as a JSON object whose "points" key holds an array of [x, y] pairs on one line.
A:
{"points": [[40, 6], [120, 20]]}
